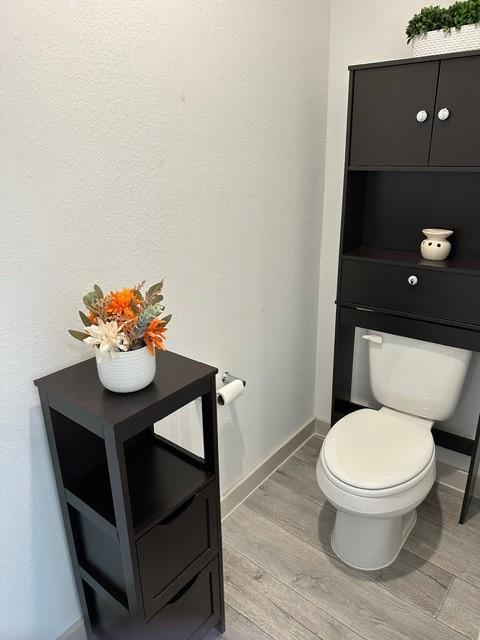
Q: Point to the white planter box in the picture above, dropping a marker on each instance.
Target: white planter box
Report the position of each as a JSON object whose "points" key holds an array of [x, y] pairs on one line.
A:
{"points": [[437, 42]]}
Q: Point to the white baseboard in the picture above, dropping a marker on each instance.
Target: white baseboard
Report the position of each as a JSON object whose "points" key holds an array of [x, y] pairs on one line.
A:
{"points": [[321, 427], [247, 485], [75, 632], [455, 478]]}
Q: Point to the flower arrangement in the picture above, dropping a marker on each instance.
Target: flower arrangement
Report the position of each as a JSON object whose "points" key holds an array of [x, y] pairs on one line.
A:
{"points": [[123, 320]]}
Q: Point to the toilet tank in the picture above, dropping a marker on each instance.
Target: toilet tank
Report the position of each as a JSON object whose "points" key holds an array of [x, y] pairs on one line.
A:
{"points": [[416, 377]]}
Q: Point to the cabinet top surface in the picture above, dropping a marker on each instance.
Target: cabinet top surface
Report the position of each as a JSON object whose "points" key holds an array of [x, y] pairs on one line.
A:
{"points": [[388, 63], [80, 387]]}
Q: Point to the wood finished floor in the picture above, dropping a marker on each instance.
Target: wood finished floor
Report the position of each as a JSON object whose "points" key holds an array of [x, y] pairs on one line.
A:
{"points": [[283, 582]]}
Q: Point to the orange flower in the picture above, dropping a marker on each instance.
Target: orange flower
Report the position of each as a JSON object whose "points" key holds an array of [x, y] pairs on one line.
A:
{"points": [[93, 318], [119, 303], [154, 337]]}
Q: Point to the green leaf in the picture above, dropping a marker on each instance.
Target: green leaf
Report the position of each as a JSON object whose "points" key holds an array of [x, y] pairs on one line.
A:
{"points": [[139, 333], [167, 319], [156, 297], [155, 288], [134, 307], [84, 319], [148, 314], [79, 335], [89, 299], [98, 291]]}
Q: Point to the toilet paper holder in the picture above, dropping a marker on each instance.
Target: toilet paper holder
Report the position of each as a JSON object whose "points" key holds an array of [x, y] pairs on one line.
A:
{"points": [[227, 377]]}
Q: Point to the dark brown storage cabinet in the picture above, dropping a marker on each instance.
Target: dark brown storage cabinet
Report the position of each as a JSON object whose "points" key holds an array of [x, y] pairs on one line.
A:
{"points": [[141, 514], [385, 103], [412, 161]]}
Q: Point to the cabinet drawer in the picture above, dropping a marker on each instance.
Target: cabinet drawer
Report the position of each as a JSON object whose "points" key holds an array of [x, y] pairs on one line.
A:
{"points": [[193, 609], [437, 294], [188, 537]]}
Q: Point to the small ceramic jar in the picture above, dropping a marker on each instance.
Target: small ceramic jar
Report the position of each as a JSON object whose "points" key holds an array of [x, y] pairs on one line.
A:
{"points": [[436, 246]]}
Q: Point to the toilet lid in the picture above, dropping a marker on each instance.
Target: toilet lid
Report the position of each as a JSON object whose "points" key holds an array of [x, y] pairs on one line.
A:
{"points": [[369, 449]]}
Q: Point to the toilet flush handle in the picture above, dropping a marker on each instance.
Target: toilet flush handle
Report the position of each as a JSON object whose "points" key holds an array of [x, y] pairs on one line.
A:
{"points": [[373, 338]]}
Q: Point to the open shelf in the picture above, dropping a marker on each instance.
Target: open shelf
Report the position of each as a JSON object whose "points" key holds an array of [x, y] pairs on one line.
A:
{"points": [[116, 599], [385, 212], [98, 554], [414, 259], [160, 479], [107, 616], [161, 476], [92, 493]]}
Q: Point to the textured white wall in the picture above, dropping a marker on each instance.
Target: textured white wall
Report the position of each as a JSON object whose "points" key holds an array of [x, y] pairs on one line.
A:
{"points": [[366, 31], [145, 139]]}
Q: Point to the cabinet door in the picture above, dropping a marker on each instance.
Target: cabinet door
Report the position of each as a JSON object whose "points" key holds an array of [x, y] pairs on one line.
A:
{"points": [[386, 101], [456, 140]]}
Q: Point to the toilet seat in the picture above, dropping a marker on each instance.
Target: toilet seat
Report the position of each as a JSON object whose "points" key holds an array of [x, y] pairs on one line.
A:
{"points": [[351, 494], [371, 452]]}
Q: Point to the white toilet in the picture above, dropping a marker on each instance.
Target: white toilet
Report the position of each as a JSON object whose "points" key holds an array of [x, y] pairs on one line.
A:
{"points": [[376, 467]]}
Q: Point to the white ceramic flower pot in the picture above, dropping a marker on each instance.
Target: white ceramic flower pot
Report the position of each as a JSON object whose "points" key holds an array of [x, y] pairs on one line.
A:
{"points": [[127, 371], [437, 42], [436, 246]]}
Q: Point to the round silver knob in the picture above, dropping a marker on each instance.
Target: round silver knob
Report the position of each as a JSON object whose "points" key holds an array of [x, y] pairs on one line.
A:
{"points": [[443, 114], [422, 116], [412, 280]]}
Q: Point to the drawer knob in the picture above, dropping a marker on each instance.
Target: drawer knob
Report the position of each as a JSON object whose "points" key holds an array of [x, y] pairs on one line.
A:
{"points": [[412, 280], [422, 115], [443, 114]]}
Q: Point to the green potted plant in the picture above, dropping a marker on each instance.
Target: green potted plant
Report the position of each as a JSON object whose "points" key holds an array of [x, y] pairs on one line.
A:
{"points": [[438, 30]]}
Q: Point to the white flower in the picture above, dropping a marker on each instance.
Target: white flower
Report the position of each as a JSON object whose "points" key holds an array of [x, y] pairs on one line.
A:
{"points": [[107, 336]]}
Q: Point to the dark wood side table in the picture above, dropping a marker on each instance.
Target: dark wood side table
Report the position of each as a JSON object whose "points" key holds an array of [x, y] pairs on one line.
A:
{"points": [[141, 514]]}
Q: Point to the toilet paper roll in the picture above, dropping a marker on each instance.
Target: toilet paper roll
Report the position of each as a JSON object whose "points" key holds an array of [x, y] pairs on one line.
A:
{"points": [[230, 392]]}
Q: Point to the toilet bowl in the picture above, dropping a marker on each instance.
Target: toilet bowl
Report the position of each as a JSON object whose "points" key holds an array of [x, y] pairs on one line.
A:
{"points": [[375, 488], [376, 466]]}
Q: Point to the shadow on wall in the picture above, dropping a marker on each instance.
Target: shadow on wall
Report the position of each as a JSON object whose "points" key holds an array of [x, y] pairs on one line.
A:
{"points": [[464, 420], [231, 439], [51, 580], [184, 427]]}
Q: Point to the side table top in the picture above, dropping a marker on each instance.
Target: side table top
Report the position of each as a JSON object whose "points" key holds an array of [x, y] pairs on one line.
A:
{"points": [[78, 387]]}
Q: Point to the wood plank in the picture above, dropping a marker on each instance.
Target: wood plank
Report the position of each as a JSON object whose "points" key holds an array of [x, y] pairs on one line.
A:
{"points": [[298, 473], [273, 606], [447, 549], [410, 577], [364, 606], [461, 609], [311, 450], [238, 627], [443, 504]]}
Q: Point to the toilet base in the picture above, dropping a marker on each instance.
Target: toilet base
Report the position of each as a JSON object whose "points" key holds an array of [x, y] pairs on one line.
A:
{"points": [[368, 543]]}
